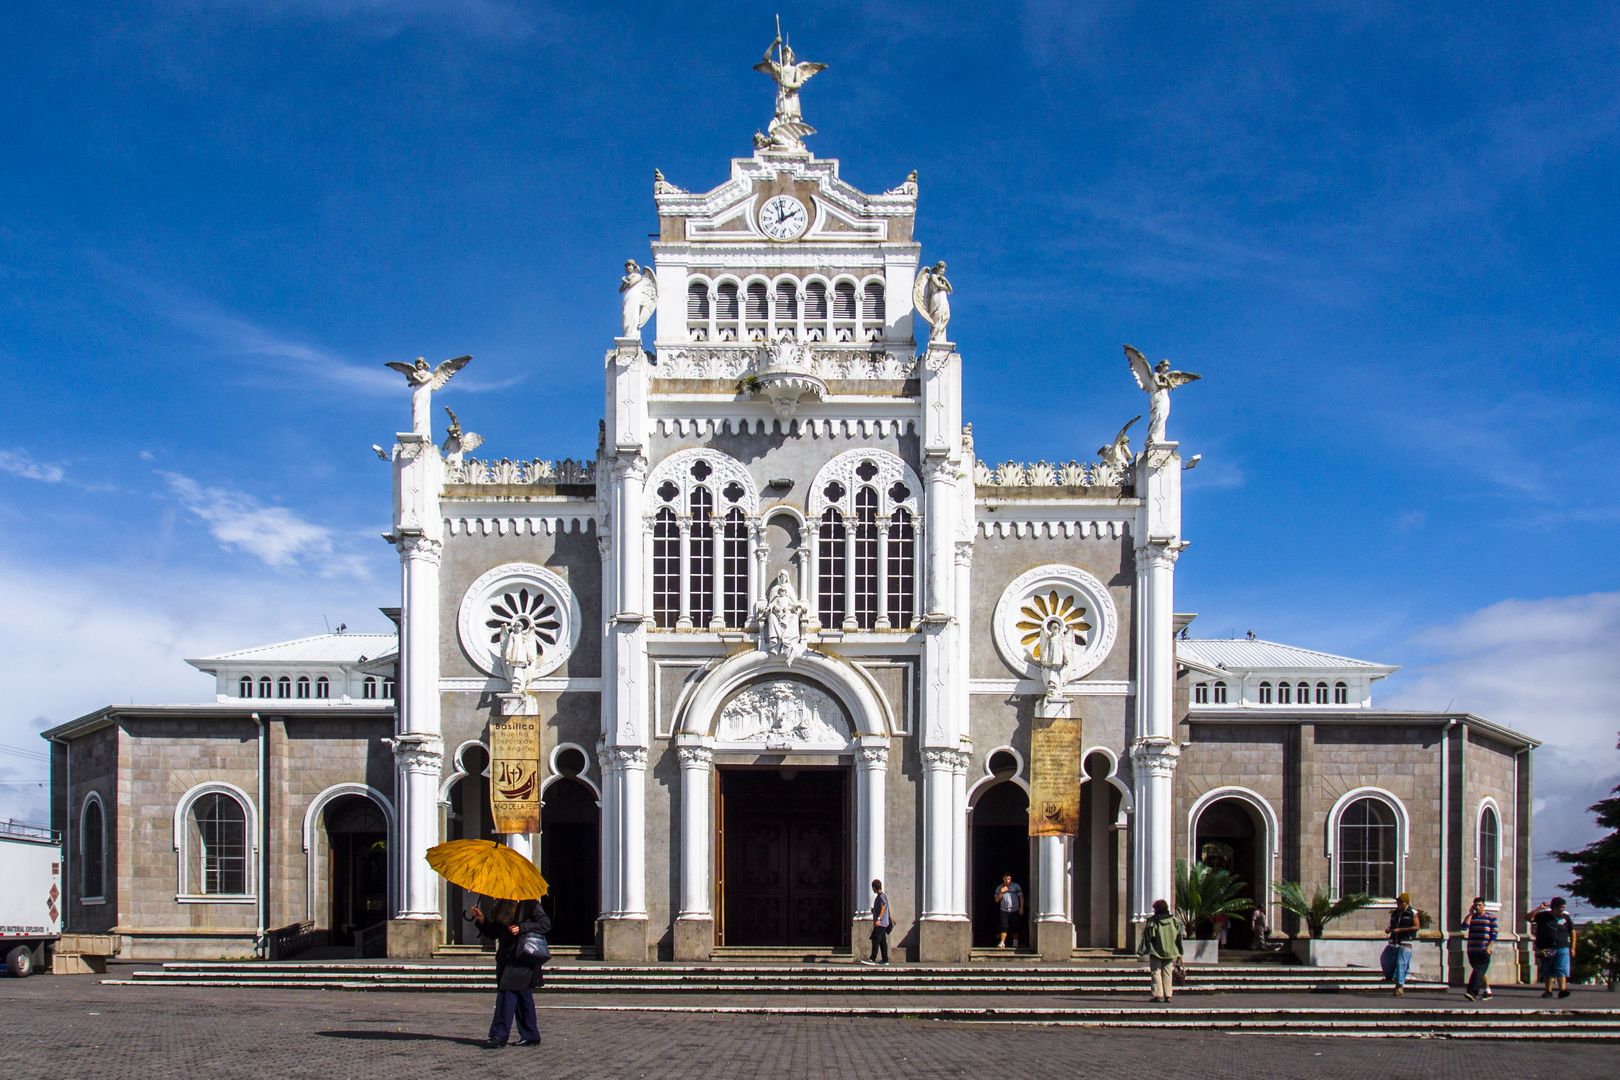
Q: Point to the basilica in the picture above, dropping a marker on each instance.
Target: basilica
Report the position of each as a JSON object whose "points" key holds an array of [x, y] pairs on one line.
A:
{"points": [[785, 635]]}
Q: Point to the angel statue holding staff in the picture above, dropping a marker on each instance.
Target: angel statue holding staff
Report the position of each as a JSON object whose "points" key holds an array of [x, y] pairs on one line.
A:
{"points": [[640, 289], [787, 126], [932, 297], [1158, 382]]}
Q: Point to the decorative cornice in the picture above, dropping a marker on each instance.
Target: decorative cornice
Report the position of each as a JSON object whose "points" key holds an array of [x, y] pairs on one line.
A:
{"points": [[1012, 528], [414, 547], [565, 471], [816, 427], [1049, 474], [518, 526]]}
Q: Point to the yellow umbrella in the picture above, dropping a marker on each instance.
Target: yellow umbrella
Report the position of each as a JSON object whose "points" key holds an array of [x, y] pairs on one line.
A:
{"points": [[487, 868]]}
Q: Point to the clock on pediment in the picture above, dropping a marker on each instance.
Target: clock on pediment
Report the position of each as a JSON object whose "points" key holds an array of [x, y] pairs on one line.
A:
{"points": [[782, 217]]}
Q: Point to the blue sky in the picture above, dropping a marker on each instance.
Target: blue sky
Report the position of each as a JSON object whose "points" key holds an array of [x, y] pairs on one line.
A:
{"points": [[1385, 235]]}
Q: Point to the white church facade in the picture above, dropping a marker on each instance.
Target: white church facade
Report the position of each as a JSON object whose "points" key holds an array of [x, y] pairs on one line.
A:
{"points": [[786, 634]]}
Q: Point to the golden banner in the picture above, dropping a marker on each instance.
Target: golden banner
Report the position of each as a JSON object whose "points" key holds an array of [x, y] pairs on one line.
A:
{"points": [[514, 774], [1054, 777]]}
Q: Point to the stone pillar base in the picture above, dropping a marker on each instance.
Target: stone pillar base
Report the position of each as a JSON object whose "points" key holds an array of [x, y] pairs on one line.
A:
{"points": [[622, 939], [944, 941], [413, 939], [694, 937], [1054, 940]]}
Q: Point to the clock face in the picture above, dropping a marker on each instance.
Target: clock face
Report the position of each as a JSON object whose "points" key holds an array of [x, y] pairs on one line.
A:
{"points": [[783, 217]]}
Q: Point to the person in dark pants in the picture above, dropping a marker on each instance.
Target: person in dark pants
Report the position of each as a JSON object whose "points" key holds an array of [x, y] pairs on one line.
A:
{"points": [[882, 923], [1010, 908], [1481, 927], [515, 981]]}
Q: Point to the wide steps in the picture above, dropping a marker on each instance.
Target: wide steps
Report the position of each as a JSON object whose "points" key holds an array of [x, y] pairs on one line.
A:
{"points": [[840, 977]]}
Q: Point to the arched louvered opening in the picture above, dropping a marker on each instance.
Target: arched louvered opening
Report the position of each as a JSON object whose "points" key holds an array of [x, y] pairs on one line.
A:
{"points": [[830, 570], [815, 311], [697, 311], [872, 313], [666, 569], [726, 311], [787, 305], [756, 311]]}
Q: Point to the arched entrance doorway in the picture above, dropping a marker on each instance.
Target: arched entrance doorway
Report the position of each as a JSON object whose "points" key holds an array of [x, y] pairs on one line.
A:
{"points": [[1227, 837], [357, 846], [570, 852], [784, 857], [468, 819], [1000, 825], [1096, 859]]}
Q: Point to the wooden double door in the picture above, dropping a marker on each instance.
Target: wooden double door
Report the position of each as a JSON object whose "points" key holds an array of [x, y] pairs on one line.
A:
{"points": [[784, 856]]}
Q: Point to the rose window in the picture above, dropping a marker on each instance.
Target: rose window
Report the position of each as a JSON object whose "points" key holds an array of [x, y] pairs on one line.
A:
{"points": [[524, 610], [1039, 610]]}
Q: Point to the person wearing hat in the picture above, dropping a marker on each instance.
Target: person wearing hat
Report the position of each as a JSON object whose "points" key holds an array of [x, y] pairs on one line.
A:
{"points": [[1402, 931], [1555, 944], [1161, 944]]}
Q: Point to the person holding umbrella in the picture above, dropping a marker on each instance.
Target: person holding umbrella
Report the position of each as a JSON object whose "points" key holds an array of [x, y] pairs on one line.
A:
{"points": [[515, 920]]}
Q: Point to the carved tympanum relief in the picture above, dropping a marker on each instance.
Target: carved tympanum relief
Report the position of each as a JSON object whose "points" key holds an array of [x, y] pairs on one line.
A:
{"points": [[783, 714], [518, 622], [1055, 623]]}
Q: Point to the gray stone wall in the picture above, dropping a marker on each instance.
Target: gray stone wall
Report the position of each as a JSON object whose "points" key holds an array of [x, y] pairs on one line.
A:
{"points": [[95, 767]]}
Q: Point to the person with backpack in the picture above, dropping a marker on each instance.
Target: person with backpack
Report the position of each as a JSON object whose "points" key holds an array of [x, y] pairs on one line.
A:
{"points": [[1402, 932], [1161, 944], [517, 975]]}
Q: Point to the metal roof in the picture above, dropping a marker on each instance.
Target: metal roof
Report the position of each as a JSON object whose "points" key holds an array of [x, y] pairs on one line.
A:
{"points": [[1246, 653], [322, 649]]}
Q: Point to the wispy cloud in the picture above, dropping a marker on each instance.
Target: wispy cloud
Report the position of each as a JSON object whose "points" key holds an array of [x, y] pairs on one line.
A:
{"points": [[233, 336], [21, 463], [273, 533]]}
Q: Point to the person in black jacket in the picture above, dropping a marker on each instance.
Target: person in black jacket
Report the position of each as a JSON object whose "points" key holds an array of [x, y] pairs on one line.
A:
{"points": [[515, 981]]}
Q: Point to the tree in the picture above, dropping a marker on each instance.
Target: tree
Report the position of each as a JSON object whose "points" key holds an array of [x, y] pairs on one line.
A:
{"points": [[1321, 909], [1597, 865], [1597, 953], [1203, 892]]}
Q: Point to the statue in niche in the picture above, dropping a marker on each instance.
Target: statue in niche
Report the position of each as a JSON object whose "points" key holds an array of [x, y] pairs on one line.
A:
{"points": [[424, 380], [520, 652], [1158, 382], [1053, 654], [788, 128], [932, 297], [640, 289], [782, 615]]}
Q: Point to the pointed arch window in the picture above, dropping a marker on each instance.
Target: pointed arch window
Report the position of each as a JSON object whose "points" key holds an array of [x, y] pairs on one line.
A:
{"points": [[902, 569], [734, 569], [702, 565], [866, 558], [1490, 855], [830, 568], [92, 850], [701, 505], [867, 564], [666, 570]]}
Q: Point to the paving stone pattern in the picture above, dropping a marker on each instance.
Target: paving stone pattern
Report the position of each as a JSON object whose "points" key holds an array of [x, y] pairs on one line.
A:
{"points": [[71, 1027]]}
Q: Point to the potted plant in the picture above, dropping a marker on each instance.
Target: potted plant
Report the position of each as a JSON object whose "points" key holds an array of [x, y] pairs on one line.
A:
{"points": [[1316, 912], [1202, 893]]}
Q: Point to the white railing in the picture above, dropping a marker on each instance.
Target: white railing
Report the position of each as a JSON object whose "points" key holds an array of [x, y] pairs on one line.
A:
{"points": [[566, 471], [738, 361], [1074, 474]]}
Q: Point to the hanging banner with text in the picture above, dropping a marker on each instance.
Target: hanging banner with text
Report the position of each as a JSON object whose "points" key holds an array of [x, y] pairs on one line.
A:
{"points": [[1054, 776], [514, 774]]}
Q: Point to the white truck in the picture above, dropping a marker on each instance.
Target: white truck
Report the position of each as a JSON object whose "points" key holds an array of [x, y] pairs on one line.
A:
{"points": [[30, 895]]}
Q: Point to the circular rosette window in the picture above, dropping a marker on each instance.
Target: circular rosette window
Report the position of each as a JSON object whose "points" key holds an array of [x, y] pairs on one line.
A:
{"points": [[523, 600], [1053, 607]]}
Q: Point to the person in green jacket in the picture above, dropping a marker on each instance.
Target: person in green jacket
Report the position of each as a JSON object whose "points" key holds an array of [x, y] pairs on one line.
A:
{"points": [[1161, 944]]}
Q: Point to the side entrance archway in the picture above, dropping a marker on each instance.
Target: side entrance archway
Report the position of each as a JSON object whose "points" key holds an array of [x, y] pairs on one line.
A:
{"points": [[784, 856], [1229, 837], [570, 852], [1000, 824], [357, 843]]}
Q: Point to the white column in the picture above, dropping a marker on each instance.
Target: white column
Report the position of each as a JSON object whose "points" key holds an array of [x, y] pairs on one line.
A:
{"points": [[959, 859], [419, 746], [849, 570], [939, 804], [1153, 764], [632, 768], [1052, 903], [882, 575], [610, 843], [684, 524], [419, 759], [696, 766], [872, 764], [811, 566]]}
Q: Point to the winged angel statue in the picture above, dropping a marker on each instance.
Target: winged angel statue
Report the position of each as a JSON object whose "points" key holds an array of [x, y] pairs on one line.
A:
{"points": [[788, 129], [640, 289], [1158, 382], [932, 297], [458, 442], [424, 380]]}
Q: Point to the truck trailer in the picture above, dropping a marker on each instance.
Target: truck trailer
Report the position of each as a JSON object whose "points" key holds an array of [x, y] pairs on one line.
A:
{"points": [[30, 896]]}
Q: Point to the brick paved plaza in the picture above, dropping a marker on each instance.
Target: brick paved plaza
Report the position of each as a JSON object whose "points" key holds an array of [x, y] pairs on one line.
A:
{"points": [[64, 1028]]}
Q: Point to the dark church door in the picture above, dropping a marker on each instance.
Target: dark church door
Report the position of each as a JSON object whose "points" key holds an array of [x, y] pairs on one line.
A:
{"points": [[783, 844], [358, 835], [568, 860]]}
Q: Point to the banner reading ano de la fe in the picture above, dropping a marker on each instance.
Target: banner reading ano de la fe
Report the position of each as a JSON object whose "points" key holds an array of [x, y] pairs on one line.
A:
{"points": [[514, 774]]}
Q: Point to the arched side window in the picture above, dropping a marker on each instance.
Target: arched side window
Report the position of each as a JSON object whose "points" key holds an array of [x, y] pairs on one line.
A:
{"points": [[369, 689], [303, 686], [388, 688], [1282, 693], [264, 686], [1265, 693], [702, 506], [666, 570], [92, 850], [1490, 854], [1201, 693], [1302, 693], [214, 837], [1220, 693], [867, 499], [1321, 693], [1341, 694], [284, 687], [245, 686], [323, 687], [1367, 856]]}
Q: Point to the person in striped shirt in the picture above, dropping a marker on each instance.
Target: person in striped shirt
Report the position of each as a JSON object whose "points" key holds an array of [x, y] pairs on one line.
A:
{"points": [[1481, 927]]}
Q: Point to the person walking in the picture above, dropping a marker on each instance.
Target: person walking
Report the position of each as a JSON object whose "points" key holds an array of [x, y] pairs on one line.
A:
{"points": [[1555, 944], [882, 923], [1481, 927], [1010, 908], [515, 981], [1161, 944], [1259, 932], [1402, 932]]}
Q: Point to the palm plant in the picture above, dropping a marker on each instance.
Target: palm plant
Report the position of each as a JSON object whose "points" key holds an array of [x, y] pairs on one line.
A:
{"points": [[1321, 909], [1203, 892]]}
